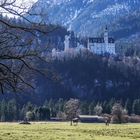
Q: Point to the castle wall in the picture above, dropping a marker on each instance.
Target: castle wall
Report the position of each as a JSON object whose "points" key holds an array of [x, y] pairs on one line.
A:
{"points": [[102, 48], [111, 48]]}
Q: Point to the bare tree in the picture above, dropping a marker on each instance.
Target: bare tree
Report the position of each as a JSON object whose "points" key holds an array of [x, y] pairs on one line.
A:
{"points": [[71, 109], [118, 113], [19, 48]]}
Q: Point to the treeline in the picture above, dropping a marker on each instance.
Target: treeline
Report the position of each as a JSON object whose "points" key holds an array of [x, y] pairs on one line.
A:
{"points": [[12, 111], [48, 35]]}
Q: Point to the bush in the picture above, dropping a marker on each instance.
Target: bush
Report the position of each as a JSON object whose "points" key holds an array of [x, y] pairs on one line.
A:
{"points": [[134, 119]]}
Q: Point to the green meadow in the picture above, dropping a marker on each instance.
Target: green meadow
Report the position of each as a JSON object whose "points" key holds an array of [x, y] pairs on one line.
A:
{"points": [[63, 131]]}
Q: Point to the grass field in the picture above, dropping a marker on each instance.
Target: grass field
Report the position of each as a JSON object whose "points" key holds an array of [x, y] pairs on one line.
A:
{"points": [[63, 131]]}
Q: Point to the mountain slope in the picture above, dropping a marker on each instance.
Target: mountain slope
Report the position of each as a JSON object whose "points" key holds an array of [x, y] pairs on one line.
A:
{"points": [[89, 17]]}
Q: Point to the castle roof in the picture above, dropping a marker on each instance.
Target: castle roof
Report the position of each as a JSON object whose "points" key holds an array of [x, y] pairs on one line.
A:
{"points": [[100, 40]]}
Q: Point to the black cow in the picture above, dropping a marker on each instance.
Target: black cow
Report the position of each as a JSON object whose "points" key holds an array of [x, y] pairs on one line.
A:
{"points": [[107, 121], [75, 121]]}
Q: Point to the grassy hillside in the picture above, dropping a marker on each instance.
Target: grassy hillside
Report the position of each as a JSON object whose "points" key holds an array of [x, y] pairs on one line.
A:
{"points": [[63, 131]]}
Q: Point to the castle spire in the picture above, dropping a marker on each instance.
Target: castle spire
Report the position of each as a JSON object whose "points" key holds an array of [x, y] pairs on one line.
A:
{"points": [[106, 35]]}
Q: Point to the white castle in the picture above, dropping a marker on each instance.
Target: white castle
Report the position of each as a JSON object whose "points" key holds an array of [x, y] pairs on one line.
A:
{"points": [[102, 45], [68, 52], [98, 46]]}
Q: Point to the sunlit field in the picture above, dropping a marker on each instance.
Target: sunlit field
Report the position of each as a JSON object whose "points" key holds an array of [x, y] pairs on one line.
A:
{"points": [[63, 131]]}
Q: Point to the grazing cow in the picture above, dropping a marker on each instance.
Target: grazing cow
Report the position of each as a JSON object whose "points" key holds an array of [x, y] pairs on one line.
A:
{"points": [[75, 121], [107, 121]]}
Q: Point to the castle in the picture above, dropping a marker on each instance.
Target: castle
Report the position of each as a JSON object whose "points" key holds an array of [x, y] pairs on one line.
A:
{"points": [[99, 46], [102, 45]]}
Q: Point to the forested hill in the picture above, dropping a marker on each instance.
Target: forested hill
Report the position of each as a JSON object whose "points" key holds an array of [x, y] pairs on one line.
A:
{"points": [[89, 77]]}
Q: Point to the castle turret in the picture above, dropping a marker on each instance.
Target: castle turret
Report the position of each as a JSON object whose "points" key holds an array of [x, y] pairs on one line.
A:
{"points": [[53, 52], [66, 43], [106, 35]]}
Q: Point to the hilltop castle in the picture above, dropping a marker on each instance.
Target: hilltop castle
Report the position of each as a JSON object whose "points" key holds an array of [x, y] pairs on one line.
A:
{"points": [[96, 45]]}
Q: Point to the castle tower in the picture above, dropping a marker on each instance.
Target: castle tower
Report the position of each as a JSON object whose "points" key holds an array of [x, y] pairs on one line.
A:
{"points": [[88, 46], [53, 52], [67, 43], [106, 35]]}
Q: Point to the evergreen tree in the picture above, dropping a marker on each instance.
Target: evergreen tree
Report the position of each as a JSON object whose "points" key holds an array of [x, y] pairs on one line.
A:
{"points": [[128, 106], [109, 105], [11, 110], [3, 111], [84, 108], [22, 114], [91, 108], [136, 107], [42, 113], [29, 106]]}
